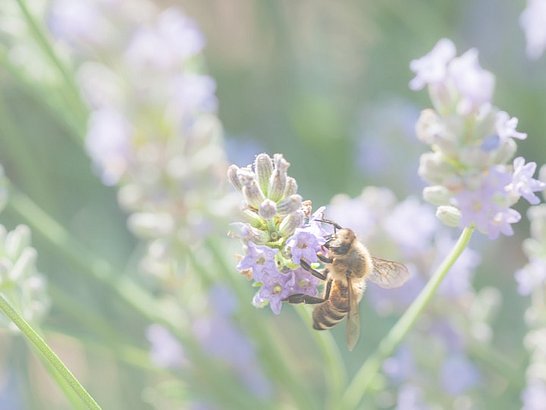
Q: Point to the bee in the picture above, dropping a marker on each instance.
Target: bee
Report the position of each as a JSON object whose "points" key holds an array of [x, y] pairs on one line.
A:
{"points": [[348, 266]]}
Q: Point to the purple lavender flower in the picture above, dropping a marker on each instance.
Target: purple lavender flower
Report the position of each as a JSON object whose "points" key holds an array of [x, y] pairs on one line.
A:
{"points": [[474, 84], [401, 366], [523, 183], [531, 276], [458, 375], [410, 397], [222, 339], [108, 144], [165, 350], [303, 245], [533, 23], [534, 396], [281, 231], [275, 288], [472, 142], [411, 224], [480, 208], [432, 68], [260, 259], [506, 127]]}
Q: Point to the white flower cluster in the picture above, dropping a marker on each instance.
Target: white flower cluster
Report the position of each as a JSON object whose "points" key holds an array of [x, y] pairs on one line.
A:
{"points": [[20, 281], [472, 142], [153, 129]]}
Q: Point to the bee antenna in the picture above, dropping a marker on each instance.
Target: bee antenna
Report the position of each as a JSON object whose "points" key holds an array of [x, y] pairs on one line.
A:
{"points": [[334, 224]]}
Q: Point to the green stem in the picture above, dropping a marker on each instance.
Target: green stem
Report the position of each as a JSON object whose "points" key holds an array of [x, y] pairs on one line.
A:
{"points": [[73, 97], [365, 376], [48, 354]]}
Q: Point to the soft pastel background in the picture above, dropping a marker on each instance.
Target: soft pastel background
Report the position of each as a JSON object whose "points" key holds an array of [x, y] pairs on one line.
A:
{"points": [[326, 84]]}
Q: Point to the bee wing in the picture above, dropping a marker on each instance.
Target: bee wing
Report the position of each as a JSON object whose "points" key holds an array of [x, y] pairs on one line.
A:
{"points": [[353, 318], [388, 274]]}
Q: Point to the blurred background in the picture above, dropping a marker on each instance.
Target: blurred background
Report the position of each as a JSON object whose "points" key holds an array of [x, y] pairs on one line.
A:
{"points": [[326, 84]]}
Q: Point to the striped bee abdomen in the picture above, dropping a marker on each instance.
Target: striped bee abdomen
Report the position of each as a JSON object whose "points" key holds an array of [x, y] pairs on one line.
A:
{"points": [[334, 309]]}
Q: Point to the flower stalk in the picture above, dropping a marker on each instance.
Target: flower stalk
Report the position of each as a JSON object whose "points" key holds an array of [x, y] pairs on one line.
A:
{"points": [[49, 355]]}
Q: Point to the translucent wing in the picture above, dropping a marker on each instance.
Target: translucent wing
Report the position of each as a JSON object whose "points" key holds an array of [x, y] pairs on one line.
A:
{"points": [[388, 274], [353, 318]]}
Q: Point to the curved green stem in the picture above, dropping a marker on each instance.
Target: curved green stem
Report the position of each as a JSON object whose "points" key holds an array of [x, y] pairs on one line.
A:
{"points": [[48, 354], [364, 378], [73, 100]]}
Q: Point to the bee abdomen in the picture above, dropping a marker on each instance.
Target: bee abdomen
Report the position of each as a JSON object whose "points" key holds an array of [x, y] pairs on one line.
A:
{"points": [[327, 315]]}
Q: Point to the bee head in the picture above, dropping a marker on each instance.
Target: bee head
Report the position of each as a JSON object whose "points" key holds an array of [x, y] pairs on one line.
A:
{"points": [[340, 242]]}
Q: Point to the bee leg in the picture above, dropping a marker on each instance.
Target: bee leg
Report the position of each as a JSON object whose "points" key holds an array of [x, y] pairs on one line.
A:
{"points": [[312, 271], [328, 289], [302, 298], [324, 259]]}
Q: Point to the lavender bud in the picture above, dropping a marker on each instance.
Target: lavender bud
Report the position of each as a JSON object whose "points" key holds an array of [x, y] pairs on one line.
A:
{"points": [[253, 218], [436, 195], [289, 205], [232, 174], [248, 233], [23, 264], [252, 194], [268, 209], [246, 176], [433, 168], [291, 187], [263, 165], [277, 182], [16, 241], [449, 215], [290, 223], [429, 126]]}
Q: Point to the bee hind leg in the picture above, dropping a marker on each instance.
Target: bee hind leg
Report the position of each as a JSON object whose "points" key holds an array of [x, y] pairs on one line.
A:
{"points": [[303, 298]]}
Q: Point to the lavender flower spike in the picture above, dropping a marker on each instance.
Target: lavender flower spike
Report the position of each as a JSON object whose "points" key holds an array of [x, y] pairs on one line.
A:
{"points": [[472, 142], [279, 232]]}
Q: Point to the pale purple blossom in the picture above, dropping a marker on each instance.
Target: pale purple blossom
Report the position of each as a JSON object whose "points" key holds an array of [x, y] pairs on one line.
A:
{"points": [[166, 45], [479, 207], [260, 259], [78, 22], [432, 68], [220, 338], [472, 141], [523, 182], [410, 397], [108, 143], [165, 350], [411, 224], [534, 396], [303, 245], [401, 366], [506, 126], [531, 276], [275, 288], [458, 375], [533, 23], [474, 84]]}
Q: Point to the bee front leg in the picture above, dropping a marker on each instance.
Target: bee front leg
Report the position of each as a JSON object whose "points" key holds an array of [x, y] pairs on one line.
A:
{"points": [[312, 271], [324, 258]]}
